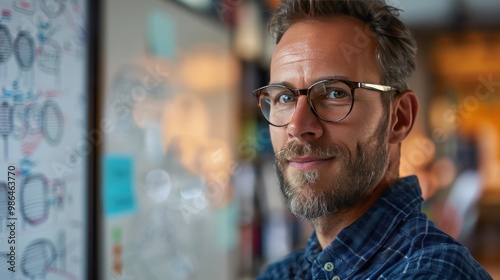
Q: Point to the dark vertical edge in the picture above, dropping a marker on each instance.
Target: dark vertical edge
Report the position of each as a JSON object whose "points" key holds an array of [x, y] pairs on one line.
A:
{"points": [[93, 113]]}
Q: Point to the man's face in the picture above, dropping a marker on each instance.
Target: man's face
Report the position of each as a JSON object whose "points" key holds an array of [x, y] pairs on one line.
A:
{"points": [[327, 167]]}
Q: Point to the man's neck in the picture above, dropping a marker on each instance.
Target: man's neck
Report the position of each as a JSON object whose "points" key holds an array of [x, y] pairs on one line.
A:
{"points": [[328, 227]]}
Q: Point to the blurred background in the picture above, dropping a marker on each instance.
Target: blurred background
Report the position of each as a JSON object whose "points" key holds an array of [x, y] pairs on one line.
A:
{"points": [[145, 155]]}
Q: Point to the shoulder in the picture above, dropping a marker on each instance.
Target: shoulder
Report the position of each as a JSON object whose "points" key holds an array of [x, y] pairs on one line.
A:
{"points": [[294, 265], [433, 254], [441, 261]]}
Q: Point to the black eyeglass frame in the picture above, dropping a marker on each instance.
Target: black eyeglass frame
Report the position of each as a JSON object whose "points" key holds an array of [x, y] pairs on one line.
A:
{"points": [[297, 92]]}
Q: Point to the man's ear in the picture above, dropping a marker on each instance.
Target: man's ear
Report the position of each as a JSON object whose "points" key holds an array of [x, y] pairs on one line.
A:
{"points": [[404, 109]]}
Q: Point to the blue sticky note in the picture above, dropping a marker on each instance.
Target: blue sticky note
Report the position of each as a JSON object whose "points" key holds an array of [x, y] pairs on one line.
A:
{"points": [[227, 221], [118, 181], [161, 35]]}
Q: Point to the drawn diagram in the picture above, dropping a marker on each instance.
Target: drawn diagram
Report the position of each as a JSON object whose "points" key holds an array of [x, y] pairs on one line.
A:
{"points": [[37, 259], [59, 193], [18, 121], [52, 122], [52, 8], [49, 60], [49, 53], [24, 52], [36, 200], [5, 126], [43, 256], [27, 7], [5, 49], [27, 115], [33, 118], [3, 206]]}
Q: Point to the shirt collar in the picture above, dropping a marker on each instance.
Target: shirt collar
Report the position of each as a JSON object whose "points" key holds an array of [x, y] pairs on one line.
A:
{"points": [[357, 243]]}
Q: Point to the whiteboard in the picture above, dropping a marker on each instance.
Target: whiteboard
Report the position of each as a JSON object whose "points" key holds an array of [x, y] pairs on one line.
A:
{"points": [[44, 150]]}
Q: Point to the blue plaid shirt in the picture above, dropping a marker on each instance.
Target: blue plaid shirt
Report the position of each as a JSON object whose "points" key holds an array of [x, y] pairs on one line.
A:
{"points": [[392, 240]]}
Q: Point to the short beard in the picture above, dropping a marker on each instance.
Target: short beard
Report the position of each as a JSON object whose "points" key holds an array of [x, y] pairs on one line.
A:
{"points": [[356, 176]]}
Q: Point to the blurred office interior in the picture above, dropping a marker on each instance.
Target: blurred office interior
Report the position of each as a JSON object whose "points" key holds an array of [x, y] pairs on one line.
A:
{"points": [[182, 179]]}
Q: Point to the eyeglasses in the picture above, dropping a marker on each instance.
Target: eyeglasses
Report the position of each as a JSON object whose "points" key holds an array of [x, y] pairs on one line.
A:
{"points": [[330, 100]]}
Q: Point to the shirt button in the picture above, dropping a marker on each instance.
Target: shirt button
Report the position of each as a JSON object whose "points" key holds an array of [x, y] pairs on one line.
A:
{"points": [[329, 267], [336, 277]]}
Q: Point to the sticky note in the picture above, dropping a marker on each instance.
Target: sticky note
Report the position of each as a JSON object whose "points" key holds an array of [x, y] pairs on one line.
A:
{"points": [[227, 220], [161, 35], [118, 185]]}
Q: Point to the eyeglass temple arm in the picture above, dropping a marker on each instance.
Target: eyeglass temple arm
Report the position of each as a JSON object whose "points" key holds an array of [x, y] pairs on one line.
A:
{"points": [[378, 87]]}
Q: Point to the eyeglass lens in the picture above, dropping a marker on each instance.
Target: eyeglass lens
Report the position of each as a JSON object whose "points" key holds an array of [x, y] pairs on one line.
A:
{"points": [[330, 100]]}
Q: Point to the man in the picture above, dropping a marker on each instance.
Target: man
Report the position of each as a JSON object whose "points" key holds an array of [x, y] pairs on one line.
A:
{"points": [[339, 106]]}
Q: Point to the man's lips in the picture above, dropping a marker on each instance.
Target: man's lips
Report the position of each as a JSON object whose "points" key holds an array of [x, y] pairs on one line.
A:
{"points": [[305, 163]]}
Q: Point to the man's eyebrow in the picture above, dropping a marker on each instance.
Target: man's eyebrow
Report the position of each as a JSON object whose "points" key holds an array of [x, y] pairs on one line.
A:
{"points": [[329, 77], [332, 77], [281, 83]]}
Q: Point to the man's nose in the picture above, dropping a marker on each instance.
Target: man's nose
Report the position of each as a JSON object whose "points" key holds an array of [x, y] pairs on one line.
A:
{"points": [[305, 125]]}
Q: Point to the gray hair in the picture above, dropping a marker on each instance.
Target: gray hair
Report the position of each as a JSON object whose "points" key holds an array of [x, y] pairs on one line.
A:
{"points": [[396, 46]]}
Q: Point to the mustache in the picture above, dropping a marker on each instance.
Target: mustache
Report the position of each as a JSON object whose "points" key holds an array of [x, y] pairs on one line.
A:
{"points": [[294, 149]]}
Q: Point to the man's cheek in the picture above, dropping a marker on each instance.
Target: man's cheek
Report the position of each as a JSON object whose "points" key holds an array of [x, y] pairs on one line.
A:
{"points": [[277, 140]]}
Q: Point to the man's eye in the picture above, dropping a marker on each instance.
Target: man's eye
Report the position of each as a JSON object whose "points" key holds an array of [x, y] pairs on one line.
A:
{"points": [[286, 98], [336, 94]]}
